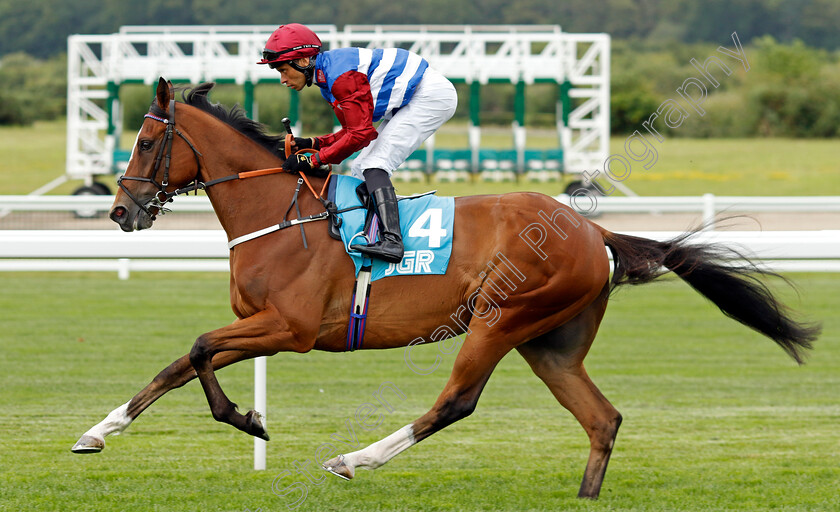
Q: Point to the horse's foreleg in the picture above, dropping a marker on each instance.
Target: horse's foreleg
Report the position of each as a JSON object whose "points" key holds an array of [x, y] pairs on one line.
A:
{"points": [[173, 376], [263, 334], [473, 366]]}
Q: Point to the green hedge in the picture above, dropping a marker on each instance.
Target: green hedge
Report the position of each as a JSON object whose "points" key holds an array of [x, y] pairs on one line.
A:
{"points": [[32, 89], [790, 90]]}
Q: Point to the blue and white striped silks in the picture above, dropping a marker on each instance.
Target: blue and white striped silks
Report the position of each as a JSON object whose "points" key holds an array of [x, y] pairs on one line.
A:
{"points": [[393, 74]]}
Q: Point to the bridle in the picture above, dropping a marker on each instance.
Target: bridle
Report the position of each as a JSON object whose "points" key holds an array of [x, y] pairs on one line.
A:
{"points": [[165, 155], [162, 196]]}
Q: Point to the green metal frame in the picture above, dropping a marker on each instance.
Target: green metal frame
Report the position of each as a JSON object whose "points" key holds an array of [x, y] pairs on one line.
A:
{"points": [[294, 115]]}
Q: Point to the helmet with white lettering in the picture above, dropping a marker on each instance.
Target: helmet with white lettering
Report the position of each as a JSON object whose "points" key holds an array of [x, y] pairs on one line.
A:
{"points": [[289, 43]]}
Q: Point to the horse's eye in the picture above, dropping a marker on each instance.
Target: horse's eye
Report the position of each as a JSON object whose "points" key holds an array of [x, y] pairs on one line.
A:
{"points": [[145, 145]]}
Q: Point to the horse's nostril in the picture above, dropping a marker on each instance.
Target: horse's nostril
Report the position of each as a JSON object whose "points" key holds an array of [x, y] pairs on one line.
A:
{"points": [[118, 212]]}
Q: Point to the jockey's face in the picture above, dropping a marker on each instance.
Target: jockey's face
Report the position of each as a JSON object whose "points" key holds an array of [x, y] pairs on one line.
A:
{"points": [[290, 77]]}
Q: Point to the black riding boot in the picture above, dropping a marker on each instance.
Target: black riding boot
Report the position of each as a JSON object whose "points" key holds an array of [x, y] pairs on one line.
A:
{"points": [[390, 246]]}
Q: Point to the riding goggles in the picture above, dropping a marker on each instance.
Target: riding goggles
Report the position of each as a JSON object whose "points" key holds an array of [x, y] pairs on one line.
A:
{"points": [[271, 55]]}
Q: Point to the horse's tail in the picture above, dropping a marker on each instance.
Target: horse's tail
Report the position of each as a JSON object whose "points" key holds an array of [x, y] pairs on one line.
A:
{"points": [[723, 275]]}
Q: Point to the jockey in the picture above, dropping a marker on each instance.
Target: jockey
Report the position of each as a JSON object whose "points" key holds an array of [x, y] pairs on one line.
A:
{"points": [[394, 86]]}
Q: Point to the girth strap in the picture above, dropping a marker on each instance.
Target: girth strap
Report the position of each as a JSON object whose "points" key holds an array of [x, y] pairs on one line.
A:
{"points": [[359, 307]]}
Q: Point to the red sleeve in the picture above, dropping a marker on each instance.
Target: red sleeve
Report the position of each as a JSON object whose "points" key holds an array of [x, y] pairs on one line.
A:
{"points": [[354, 109]]}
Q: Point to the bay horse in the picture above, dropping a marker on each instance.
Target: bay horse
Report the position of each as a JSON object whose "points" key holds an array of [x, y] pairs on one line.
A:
{"points": [[525, 273]]}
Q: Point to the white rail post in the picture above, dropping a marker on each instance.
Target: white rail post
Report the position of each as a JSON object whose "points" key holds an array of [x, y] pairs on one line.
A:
{"points": [[124, 271], [709, 211], [259, 406]]}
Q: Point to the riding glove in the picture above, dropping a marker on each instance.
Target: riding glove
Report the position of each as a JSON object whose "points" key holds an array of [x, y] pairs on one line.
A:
{"points": [[305, 143], [298, 163]]}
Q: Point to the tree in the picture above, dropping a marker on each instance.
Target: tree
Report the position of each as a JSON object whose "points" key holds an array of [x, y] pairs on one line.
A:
{"points": [[32, 89]]}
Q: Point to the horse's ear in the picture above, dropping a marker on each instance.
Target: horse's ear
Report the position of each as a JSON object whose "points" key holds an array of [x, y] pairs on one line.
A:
{"points": [[164, 93]]}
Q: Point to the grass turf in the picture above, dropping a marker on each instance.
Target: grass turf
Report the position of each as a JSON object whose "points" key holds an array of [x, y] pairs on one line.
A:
{"points": [[715, 416]]}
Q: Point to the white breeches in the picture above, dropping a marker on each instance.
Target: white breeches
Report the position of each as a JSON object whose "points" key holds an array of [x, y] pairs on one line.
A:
{"points": [[433, 104]]}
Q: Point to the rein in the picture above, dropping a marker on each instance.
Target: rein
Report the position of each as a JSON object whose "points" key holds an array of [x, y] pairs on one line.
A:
{"points": [[162, 196]]}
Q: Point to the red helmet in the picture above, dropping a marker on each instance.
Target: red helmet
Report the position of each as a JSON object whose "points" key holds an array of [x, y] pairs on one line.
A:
{"points": [[290, 42]]}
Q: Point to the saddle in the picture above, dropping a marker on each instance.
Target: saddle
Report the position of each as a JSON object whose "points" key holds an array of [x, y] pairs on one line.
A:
{"points": [[347, 199]]}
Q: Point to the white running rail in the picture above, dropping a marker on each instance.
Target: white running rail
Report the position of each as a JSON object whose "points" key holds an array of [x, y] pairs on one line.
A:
{"points": [[206, 250], [709, 204]]}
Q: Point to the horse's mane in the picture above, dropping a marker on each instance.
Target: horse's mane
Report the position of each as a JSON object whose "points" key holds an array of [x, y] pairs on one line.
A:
{"points": [[234, 116]]}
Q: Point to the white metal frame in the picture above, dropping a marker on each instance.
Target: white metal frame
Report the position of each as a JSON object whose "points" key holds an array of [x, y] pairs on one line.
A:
{"points": [[206, 53]]}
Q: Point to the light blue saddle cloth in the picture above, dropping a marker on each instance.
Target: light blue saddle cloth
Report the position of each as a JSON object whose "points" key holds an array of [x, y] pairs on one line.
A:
{"points": [[426, 223]]}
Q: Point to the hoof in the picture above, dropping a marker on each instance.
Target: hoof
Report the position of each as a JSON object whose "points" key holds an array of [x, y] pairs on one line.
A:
{"points": [[337, 467], [88, 444], [256, 426]]}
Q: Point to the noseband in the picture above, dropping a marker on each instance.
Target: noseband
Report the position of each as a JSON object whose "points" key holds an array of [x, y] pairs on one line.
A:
{"points": [[162, 196]]}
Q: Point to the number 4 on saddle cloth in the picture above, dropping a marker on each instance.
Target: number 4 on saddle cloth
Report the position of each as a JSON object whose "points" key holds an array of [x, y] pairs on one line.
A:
{"points": [[425, 221]]}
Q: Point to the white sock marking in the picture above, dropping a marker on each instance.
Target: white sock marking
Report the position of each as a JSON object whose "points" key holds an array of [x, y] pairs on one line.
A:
{"points": [[383, 450], [114, 423]]}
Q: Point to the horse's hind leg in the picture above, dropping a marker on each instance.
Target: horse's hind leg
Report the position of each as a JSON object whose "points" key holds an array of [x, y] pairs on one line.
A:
{"points": [[557, 358], [476, 360]]}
